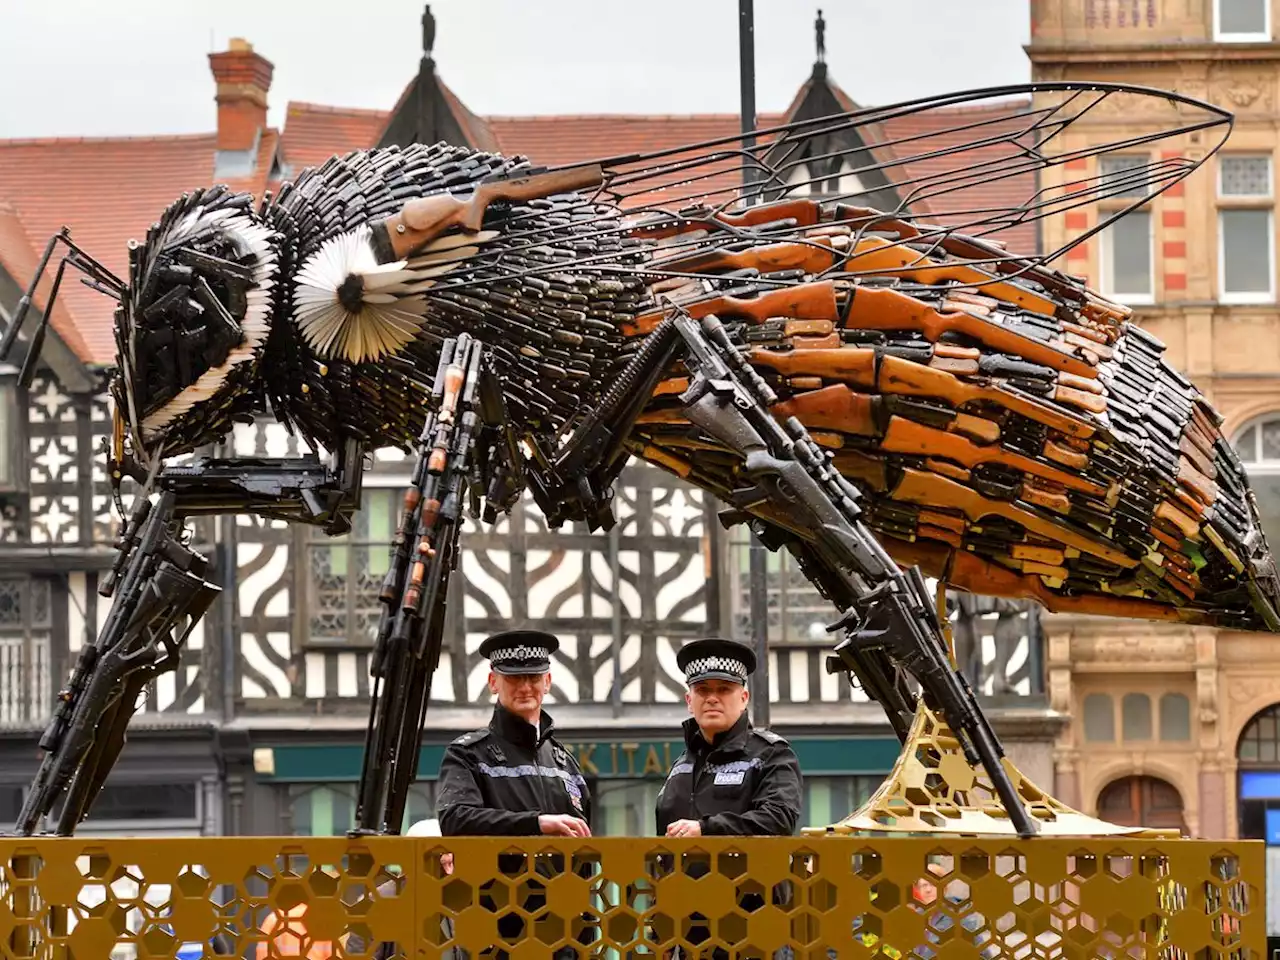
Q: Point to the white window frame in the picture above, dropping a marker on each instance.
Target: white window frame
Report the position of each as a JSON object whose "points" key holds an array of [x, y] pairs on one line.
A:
{"points": [[1263, 37], [1258, 465], [1105, 239], [11, 460], [1234, 202]]}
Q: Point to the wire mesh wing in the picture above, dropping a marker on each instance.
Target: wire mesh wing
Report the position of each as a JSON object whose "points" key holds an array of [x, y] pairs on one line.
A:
{"points": [[987, 166]]}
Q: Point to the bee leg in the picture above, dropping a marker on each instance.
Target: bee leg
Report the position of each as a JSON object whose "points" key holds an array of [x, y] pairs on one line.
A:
{"points": [[161, 595], [892, 633]]}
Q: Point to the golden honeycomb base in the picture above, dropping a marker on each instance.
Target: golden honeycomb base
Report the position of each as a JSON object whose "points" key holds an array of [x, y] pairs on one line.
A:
{"points": [[934, 789]]}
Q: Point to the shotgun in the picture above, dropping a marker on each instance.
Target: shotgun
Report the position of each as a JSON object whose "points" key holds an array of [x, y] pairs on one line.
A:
{"points": [[660, 226], [877, 309], [876, 253], [420, 221], [927, 489], [804, 301]]}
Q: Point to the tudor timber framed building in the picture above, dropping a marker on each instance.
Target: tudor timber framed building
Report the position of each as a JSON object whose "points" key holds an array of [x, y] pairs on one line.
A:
{"points": [[260, 730]]}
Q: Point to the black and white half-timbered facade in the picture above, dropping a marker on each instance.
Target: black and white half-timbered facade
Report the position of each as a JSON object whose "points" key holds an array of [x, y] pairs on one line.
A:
{"points": [[261, 728]]}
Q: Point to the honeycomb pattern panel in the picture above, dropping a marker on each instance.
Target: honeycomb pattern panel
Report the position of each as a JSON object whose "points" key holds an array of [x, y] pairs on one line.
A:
{"points": [[249, 897], [906, 898]]}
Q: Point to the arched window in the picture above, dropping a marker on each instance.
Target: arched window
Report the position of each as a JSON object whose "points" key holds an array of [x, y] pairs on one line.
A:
{"points": [[1260, 741], [1099, 718], [1258, 446], [1175, 717], [1141, 802], [1136, 716]]}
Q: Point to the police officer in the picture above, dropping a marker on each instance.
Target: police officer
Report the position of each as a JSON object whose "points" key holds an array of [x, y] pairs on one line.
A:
{"points": [[513, 778], [731, 779]]}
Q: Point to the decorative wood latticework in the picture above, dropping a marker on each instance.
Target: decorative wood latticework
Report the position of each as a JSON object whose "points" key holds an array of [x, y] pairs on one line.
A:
{"points": [[307, 604]]}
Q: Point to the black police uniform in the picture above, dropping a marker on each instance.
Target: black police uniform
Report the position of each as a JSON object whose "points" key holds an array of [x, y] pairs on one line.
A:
{"points": [[746, 782], [743, 782], [498, 780]]}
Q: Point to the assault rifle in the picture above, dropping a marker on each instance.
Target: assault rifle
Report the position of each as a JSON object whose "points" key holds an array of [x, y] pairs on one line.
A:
{"points": [[890, 626], [414, 591]]}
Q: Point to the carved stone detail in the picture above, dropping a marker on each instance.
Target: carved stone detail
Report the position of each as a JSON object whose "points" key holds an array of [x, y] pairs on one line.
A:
{"points": [[1132, 649], [1246, 696], [1253, 93], [1207, 695]]}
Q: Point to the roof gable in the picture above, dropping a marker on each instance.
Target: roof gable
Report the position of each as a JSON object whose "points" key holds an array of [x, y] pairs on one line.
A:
{"points": [[850, 160]]}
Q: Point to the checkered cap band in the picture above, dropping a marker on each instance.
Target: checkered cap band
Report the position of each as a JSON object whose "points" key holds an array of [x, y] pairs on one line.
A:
{"points": [[697, 668], [522, 652]]}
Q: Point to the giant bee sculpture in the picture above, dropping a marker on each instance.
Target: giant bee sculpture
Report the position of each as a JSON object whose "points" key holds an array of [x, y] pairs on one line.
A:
{"points": [[866, 377]]}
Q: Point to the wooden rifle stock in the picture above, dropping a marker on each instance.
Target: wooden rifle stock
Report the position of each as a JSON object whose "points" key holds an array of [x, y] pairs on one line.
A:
{"points": [[834, 408], [858, 366], [838, 408], [851, 364], [804, 212], [420, 221], [931, 490], [915, 439], [804, 301], [913, 379], [874, 309], [876, 253], [812, 257]]}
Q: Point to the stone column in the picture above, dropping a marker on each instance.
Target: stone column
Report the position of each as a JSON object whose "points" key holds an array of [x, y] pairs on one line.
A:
{"points": [[1213, 799]]}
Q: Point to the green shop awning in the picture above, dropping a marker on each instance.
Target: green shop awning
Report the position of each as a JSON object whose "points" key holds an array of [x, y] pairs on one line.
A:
{"points": [[603, 759]]}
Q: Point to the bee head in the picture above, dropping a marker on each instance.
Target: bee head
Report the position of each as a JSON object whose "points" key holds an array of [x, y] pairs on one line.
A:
{"points": [[191, 329]]}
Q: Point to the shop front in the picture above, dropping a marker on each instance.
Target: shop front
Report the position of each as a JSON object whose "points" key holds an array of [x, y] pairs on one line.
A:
{"points": [[165, 783], [309, 788]]}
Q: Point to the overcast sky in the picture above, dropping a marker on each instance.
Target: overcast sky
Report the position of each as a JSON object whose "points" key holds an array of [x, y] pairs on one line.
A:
{"points": [[138, 67]]}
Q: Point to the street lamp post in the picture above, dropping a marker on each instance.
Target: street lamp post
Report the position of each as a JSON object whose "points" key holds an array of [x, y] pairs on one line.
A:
{"points": [[759, 562]]}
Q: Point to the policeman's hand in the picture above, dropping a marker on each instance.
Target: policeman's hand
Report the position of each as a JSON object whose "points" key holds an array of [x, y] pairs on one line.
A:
{"points": [[563, 825], [684, 828]]}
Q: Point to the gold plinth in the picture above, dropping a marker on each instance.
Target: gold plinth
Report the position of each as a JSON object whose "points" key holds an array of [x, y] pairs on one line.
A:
{"points": [[933, 789], [845, 896]]}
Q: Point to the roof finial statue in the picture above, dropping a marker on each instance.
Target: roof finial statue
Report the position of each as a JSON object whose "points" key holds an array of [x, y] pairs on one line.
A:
{"points": [[820, 27], [428, 31]]}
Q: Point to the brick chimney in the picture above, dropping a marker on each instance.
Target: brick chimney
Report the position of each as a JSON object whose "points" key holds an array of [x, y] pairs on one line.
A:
{"points": [[243, 79]]}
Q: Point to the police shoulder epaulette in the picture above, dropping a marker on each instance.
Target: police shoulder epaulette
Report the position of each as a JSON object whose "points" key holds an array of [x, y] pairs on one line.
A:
{"points": [[769, 736], [475, 736]]}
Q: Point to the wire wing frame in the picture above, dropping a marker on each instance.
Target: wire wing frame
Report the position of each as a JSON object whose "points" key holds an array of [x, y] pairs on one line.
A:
{"points": [[986, 166]]}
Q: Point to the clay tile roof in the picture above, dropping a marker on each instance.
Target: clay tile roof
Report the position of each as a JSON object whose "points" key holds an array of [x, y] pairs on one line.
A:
{"points": [[554, 140], [313, 133], [19, 257], [478, 130], [931, 131], [106, 191]]}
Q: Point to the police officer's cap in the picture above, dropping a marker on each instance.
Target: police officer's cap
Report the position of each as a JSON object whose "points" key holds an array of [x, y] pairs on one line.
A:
{"points": [[714, 658], [520, 652]]}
